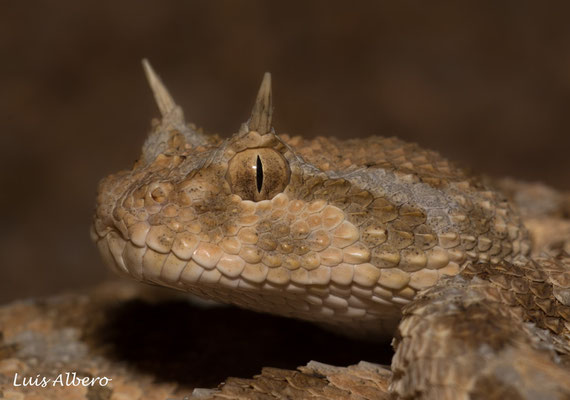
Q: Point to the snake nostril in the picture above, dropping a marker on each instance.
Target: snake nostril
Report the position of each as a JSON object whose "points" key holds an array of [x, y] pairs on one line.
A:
{"points": [[160, 193]]}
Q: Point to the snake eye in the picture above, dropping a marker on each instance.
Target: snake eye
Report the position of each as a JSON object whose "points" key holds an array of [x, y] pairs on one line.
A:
{"points": [[258, 174]]}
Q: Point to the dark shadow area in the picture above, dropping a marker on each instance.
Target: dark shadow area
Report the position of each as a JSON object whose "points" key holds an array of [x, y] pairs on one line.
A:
{"points": [[177, 341]]}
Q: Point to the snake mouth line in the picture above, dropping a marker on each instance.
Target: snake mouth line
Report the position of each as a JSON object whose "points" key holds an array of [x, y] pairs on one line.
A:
{"points": [[347, 305]]}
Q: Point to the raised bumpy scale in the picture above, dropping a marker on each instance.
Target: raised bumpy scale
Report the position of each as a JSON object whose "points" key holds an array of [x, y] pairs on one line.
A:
{"points": [[374, 237]]}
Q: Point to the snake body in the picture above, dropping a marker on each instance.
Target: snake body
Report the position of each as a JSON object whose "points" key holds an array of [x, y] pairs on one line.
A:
{"points": [[372, 237]]}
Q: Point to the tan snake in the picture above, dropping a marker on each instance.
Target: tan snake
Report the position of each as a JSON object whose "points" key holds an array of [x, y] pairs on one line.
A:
{"points": [[372, 237]]}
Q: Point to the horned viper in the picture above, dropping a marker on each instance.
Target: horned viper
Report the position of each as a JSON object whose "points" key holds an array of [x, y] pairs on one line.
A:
{"points": [[374, 237]]}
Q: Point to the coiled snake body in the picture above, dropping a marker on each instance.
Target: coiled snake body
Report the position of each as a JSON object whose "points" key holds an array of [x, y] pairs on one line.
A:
{"points": [[373, 237]]}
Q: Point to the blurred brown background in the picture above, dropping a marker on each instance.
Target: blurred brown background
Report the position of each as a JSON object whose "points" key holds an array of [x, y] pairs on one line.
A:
{"points": [[485, 83]]}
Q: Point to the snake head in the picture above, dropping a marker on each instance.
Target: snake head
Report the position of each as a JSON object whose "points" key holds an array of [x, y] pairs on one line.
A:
{"points": [[339, 232]]}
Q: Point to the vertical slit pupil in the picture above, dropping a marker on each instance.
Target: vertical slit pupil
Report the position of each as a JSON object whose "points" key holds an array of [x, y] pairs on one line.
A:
{"points": [[259, 174]]}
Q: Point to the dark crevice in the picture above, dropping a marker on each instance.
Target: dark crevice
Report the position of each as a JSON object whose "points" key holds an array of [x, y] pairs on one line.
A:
{"points": [[177, 341]]}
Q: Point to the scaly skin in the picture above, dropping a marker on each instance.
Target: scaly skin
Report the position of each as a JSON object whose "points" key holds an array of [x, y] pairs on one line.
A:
{"points": [[353, 235]]}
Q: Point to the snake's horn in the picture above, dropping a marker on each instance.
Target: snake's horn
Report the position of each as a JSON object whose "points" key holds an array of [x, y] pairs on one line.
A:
{"points": [[172, 133], [163, 98], [260, 119]]}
